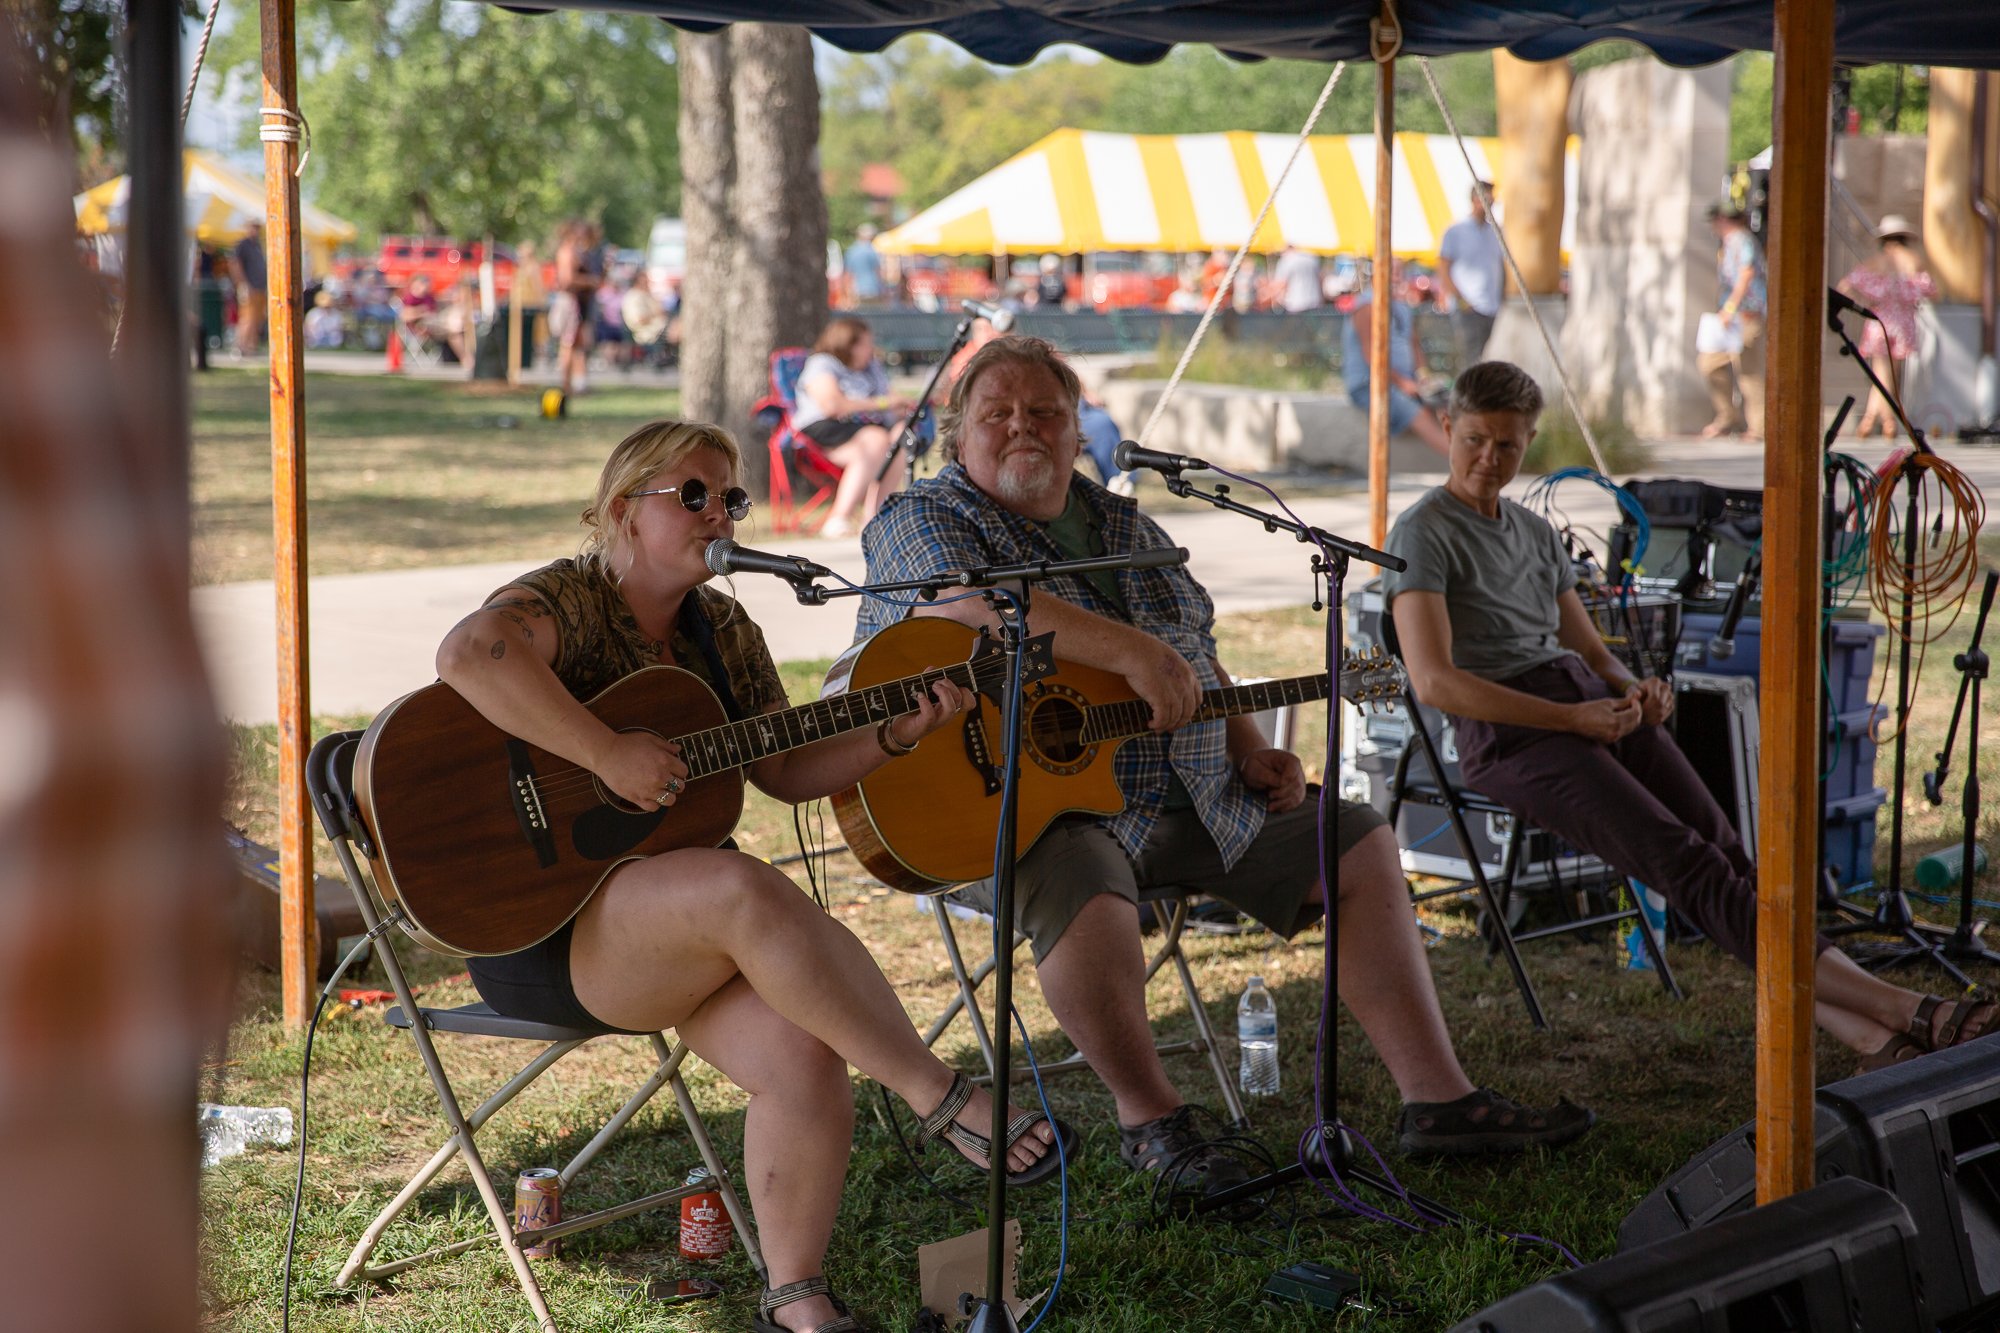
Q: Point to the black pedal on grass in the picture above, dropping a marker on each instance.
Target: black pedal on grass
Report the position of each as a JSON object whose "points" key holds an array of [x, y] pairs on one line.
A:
{"points": [[1314, 1284]]}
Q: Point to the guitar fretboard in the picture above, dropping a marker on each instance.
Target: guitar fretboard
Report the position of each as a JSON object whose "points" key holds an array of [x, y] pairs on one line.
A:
{"points": [[738, 743], [1130, 717]]}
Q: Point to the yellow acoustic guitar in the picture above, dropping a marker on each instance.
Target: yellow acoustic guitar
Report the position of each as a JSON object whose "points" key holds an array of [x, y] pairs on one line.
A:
{"points": [[928, 822], [489, 844]]}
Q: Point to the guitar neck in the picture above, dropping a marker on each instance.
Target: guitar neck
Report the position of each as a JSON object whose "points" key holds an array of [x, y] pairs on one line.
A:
{"points": [[1110, 722], [738, 743]]}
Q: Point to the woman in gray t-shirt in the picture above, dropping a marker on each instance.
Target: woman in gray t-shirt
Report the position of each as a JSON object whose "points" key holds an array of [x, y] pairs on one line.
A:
{"points": [[845, 407]]}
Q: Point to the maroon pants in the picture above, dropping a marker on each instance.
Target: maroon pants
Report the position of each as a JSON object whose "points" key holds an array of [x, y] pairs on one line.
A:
{"points": [[1637, 804]]}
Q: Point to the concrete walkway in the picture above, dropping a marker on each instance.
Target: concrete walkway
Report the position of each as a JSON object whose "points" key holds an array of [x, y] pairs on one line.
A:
{"points": [[373, 636]]}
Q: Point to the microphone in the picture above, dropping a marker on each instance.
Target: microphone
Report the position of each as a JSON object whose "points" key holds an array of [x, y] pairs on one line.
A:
{"points": [[1723, 644], [1839, 303], [1129, 456], [1001, 318], [724, 556]]}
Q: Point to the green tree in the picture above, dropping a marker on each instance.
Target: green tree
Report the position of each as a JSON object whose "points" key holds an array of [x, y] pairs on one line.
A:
{"points": [[1892, 99], [74, 75], [468, 120]]}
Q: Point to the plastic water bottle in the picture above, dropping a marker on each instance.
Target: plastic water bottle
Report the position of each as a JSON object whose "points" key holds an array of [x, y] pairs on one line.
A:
{"points": [[229, 1130], [1257, 1039]]}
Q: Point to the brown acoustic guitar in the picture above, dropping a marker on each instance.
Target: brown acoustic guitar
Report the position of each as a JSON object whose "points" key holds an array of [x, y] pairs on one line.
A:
{"points": [[928, 822], [489, 844]]}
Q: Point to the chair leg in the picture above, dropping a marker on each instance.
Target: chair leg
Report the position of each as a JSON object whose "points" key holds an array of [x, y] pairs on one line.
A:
{"points": [[1657, 954], [968, 985], [746, 1230], [1204, 1030]]}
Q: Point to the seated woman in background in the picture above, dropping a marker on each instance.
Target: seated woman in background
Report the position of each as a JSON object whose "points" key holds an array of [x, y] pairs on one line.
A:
{"points": [[758, 980], [845, 407]]}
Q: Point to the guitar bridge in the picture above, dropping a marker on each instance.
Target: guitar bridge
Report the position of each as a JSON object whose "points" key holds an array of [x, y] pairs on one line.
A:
{"points": [[976, 749], [528, 808]]}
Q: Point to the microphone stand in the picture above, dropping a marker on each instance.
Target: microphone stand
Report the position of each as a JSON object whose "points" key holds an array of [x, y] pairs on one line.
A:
{"points": [[1328, 1144], [1005, 588], [1972, 664], [907, 441], [1892, 915]]}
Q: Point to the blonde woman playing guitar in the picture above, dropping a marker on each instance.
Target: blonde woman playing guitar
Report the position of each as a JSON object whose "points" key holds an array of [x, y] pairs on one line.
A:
{"points": [[760, 982]]}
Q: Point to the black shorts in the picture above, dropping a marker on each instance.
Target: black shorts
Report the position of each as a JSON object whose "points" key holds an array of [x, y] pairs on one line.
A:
{"points": [[534, 984], [829, 432]]}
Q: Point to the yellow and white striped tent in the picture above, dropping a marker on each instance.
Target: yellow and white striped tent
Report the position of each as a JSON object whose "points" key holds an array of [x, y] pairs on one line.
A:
{"points": [[1079, 191], [221, 201]]}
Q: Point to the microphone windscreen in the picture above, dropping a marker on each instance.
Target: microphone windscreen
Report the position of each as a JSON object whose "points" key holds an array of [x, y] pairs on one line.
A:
{"points": [[1002, 320], [716, 555], [1719, 649], [1122, 455]]}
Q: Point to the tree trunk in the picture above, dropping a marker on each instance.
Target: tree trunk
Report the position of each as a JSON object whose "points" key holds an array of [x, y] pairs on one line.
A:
{"points": [[1533, 101], [756, 219]]}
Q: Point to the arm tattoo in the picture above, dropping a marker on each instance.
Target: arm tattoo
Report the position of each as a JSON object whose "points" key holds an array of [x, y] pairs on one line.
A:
{"points": [[519, 622], [499, 649]]}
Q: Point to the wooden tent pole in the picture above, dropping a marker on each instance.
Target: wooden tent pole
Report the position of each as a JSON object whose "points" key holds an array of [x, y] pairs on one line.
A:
{"points": [[1388, 39], [297, 924], [1789, 710]]}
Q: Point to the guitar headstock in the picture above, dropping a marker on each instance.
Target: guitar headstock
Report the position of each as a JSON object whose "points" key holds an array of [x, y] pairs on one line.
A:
{"points": [[989, 662], [1371, 679]]}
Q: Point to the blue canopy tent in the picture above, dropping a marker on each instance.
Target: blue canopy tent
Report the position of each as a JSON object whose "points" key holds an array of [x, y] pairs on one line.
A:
{"points": [[1807, 36]]}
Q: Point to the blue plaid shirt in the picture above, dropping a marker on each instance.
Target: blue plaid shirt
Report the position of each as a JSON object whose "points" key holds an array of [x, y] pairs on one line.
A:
{"points": [[946, 522]]}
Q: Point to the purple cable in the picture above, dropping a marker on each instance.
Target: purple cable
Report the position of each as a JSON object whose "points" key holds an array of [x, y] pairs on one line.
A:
{"points": [[1346, 1197]]}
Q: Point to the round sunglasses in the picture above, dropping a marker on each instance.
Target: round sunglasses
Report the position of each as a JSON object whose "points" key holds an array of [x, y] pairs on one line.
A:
{"points": [[694, 498]]}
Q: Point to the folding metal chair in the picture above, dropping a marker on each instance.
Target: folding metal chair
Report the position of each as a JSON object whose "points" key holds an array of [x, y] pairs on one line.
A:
{"points": [[329, 780], [1432, 783], [1170, 905]]}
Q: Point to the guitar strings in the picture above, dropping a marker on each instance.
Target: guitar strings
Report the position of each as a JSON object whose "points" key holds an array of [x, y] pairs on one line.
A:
{"points": [[567, 781]]}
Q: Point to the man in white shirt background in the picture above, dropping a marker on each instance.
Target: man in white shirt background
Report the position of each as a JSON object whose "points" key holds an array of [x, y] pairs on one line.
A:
{"points": [[1469, 275]]}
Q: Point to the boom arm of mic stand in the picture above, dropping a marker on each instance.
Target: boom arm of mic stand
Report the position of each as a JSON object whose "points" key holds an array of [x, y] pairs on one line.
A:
{"points": [[1934, 780], [907, 440], [1219, 498]]}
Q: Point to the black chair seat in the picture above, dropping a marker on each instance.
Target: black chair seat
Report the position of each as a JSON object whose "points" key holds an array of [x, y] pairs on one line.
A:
{"points": [[479, 1020]]}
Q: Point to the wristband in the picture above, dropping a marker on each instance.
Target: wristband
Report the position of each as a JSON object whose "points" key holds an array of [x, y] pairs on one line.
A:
{"points": [[892, 747]]}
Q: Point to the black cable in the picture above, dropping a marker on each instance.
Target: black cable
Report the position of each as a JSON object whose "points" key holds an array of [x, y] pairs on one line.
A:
{"points": [[299, 1180]]}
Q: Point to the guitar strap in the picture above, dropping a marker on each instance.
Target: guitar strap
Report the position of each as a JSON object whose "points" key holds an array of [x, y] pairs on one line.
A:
{"points": [[694, 624]]}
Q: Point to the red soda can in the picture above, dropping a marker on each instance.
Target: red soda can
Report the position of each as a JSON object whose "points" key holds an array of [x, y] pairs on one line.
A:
{"points": [[538, 1203], [706, 1231]]}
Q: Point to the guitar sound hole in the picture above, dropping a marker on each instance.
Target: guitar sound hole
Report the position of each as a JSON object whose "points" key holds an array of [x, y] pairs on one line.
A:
{"points": [[1055, 729], [612, 798]]}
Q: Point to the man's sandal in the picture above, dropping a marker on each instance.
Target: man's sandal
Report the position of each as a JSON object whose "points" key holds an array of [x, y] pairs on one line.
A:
{"points": [[802, 1290], [943, 1123], [1483, 1121], [1973, 1015]]}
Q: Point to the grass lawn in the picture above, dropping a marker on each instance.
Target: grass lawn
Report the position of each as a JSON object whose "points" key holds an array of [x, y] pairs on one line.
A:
{"points": [[402, 473], [412, 472]]}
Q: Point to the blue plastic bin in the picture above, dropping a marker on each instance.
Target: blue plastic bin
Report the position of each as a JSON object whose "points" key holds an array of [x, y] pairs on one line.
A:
{"points": [[1850, 837]]}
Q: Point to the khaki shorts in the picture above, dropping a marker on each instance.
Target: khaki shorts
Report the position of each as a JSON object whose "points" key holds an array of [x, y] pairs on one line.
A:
{"points": [[1077, 859]]}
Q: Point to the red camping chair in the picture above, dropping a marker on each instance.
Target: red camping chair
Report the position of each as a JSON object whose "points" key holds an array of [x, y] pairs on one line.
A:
{"points": [[798, 466]]}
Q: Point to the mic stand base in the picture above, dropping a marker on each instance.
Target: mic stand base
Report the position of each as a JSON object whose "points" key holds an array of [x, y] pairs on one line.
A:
{"points": [[991, 1317], [1312, 1166]]}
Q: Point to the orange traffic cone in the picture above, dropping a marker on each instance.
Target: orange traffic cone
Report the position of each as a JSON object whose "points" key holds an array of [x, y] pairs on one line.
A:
{"points": [[395, 350]]}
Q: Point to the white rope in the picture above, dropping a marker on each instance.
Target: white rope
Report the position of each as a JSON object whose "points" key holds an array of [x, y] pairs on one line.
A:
{"points": [[1222, 289], [287, 133], [200, 54], [1486, 197]]}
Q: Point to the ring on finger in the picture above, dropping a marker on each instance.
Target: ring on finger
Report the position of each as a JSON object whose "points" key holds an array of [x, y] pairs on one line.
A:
{"points": [[675, 786]]}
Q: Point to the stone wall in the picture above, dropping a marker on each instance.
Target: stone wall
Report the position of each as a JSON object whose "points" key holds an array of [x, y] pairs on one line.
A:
{"points": [[1259, 430], [1655, 150]]}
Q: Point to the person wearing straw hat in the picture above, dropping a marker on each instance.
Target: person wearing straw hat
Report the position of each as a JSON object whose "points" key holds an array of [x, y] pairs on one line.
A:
{"points": [[1892, 284]]}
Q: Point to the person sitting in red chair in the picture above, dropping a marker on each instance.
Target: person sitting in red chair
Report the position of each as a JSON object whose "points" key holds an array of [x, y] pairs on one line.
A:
{"points": [[845, 407]]}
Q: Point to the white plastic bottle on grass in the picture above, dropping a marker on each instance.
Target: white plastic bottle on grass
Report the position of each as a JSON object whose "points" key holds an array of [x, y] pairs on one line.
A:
{"points": [[1257, 1039]]}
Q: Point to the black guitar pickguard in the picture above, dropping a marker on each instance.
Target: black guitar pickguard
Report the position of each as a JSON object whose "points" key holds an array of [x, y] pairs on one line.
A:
{"points": [[605, 831]]}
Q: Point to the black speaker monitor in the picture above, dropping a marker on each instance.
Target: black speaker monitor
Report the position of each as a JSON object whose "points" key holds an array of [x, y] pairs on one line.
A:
{"points": [[1841, 1256], [1927, 1129]]}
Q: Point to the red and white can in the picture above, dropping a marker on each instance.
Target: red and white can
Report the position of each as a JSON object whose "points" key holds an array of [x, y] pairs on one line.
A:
{"points": [[706, 1231], [538, 1203]]}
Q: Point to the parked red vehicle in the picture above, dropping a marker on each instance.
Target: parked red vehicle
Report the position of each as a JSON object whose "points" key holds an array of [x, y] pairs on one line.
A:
{"points": [[447, 262]]}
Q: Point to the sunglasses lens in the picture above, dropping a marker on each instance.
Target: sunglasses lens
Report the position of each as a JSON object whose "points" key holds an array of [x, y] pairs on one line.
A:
{"points": [[737, 503], [694, 495]]}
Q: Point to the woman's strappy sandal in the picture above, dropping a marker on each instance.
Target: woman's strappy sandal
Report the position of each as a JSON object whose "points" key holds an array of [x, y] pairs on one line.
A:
{"points": [[802, 1290], [1973, 1015], [943, 1123]]}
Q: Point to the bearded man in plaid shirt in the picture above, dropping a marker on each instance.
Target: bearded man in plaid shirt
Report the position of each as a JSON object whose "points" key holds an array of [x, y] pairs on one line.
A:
{"points": [[1210, 807]]}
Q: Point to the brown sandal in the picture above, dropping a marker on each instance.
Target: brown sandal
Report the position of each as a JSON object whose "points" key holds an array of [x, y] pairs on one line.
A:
{"points": [[1894, 1051], [1973, 1015]]}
